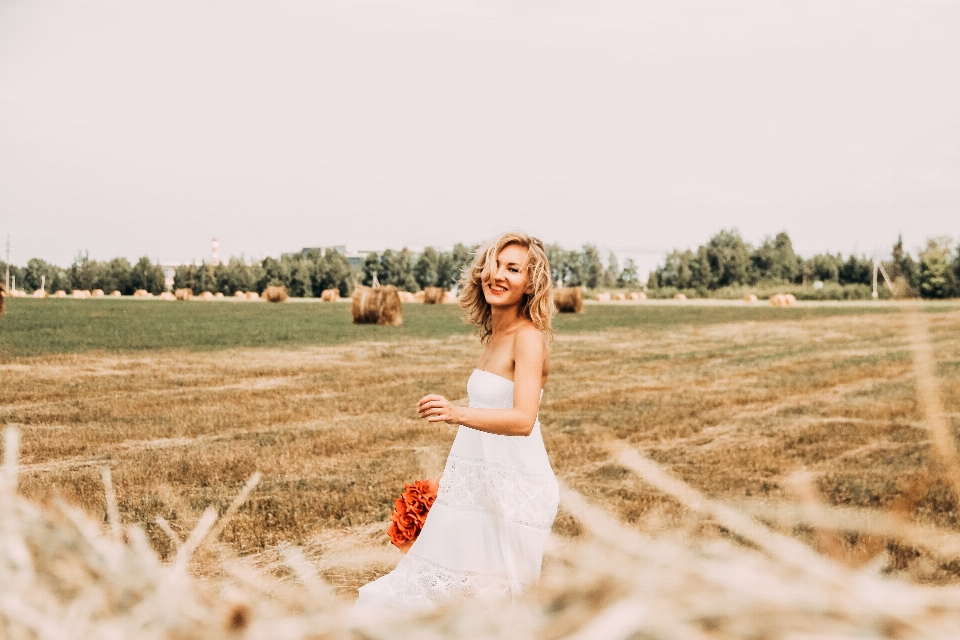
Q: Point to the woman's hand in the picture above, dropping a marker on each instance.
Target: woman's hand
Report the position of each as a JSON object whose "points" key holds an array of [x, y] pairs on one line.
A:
{"points": [[438, 409]]}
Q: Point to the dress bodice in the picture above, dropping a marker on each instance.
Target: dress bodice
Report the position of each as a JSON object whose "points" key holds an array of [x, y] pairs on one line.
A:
{"points": [[490, 391]]}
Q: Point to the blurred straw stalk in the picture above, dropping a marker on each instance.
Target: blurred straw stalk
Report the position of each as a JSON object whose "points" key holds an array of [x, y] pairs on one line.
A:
{"points": [[64, 576]]}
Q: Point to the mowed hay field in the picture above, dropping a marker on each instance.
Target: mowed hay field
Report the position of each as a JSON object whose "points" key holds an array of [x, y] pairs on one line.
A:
{"points": [[184, 401]]}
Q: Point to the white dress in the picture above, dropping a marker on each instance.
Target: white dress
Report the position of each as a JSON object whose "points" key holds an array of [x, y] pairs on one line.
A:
{"points": [[484, 535]]}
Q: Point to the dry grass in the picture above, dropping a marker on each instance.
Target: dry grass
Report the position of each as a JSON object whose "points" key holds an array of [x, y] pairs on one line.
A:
{"points": [[734, 410]]}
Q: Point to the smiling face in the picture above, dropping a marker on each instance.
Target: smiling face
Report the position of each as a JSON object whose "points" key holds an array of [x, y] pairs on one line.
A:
{"points": [[511, 280]]}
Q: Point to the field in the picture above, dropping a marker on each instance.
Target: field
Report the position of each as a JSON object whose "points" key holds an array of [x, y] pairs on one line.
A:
{"points": [[184, 401]]}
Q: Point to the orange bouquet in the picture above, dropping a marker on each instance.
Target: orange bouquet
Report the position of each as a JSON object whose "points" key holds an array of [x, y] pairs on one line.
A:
{"points": [[410, 512]]}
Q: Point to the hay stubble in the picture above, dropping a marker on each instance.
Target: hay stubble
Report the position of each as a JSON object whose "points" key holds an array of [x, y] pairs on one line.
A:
{"points": [[731, 408]]}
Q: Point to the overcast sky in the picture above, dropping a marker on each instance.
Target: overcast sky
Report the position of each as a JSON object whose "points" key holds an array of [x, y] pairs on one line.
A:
{"points": [[149, 127]]}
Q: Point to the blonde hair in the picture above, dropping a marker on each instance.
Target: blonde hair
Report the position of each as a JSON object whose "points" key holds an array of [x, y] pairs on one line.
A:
{"points": [[537, 302]]}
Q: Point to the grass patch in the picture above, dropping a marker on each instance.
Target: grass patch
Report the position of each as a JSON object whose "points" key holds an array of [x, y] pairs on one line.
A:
{"points": [[38, 327]]}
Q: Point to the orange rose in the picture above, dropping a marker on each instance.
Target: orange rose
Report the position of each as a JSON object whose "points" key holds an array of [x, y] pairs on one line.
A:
{"points": [[410, 512]]}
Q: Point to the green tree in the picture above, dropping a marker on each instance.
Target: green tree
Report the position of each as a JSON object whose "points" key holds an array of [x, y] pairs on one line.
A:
{"points": [[701, 276], [372, 267], [856, 270], [426, 271], [628, 277], [333, 271], [86, 273], [824, 267], [612, 273], [120, 273], [936, 279], [301, 278], [676, 271], [148, 276], [185, 277], [774, 260], [591, 266], [729, 258], [460, 258], [398, 269], [557, 257]]}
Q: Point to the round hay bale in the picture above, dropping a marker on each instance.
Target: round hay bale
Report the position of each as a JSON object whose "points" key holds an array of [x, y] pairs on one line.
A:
{"points": [[789, 300], [252, 295], [433, 295], [619, 296], [568, 299], [97, 293], [218, 295], [380, 305], [778, 300], [115, 294], [206, 296], [406, 296], [603, 296], [183, 294], [141, 293], [750, 298], [166, 295], [40, 293], [275, 294], [330, 295], [680, 297], [418, 296], [450, 298], [81, 294], [240, 294], [3, 296], [60, 294]]}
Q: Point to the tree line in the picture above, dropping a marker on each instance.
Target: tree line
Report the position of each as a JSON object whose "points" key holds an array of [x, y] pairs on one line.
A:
{"points": [[110, 275], [726, 260]]}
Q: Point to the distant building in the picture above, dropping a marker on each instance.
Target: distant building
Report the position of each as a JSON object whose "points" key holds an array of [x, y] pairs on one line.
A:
{"points": [[354, 257]]}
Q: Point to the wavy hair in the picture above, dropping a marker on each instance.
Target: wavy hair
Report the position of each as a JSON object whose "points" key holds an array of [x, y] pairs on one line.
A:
{"points": [[537, 302]]}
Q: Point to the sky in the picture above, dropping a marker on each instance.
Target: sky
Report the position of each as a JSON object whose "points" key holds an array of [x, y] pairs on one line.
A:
{"points": [[148, 127]]}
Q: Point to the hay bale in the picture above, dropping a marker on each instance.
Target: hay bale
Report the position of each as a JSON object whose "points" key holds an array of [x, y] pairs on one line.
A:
{"points": [[603, 296], [141, 293], [166, 295], [252, 295], [40, 293], [568, 299], [97, 293], [218, 295], [433, 295], [81, 294], [206, 296], [115, 294], [3, 295], [778, 300], [380, 305], [750, 298], [275, 294], [637, 295], [60, 294], [680, 297], [330, 295], [240, 294], [183, 294], [789, 300], [619, 296], [418, 296], [406, 296], [450, 298]]}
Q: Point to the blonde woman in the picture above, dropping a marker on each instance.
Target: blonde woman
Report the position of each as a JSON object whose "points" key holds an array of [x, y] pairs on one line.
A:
{"points": [[498, 496]]}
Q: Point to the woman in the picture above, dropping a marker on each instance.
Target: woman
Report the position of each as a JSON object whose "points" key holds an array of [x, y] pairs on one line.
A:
{"points": [[498, 496]]}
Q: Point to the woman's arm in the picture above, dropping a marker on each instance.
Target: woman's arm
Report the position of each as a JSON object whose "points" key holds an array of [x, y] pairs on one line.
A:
{"points": [[529, 354]]}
